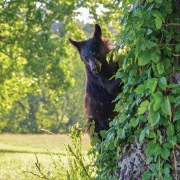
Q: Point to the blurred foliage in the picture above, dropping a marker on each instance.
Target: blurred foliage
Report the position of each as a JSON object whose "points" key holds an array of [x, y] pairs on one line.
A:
{"points": [[37, 66], [41, 77]]}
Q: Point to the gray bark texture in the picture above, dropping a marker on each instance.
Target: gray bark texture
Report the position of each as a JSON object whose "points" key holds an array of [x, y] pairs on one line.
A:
{"points": [[132, 163]]}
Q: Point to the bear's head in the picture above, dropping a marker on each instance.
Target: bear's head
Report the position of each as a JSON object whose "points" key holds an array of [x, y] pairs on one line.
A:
{"points": [[93, 51]]}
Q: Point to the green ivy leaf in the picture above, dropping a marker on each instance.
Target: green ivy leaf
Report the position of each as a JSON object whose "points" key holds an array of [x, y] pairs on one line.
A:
{"points": [[164, 106], [150, 44], [158, 23], [176, 116], [157, 150], [168, 8], [166, 171], [149, 159], [149, 31], [142, 136], [140, 89], [172, 140], [171, 98], [144, 57], [150, 147], [166, 63], [138, 132], [143, 107], [167, 146], [164, 121], [177, 126], [136, 80], [177, 101], [177, 48], [134, 122], [170, 130], [142, 119], [151, 84], [154, 57], [151, 135], [156, 14], [154, 117], [119, 74], [178, 137], [160, 68], [120, 133], [163, 83], [176, 64], [158, 94], [111, 146], [157, 103], [146, 175], [169, 70], [165, 153], [103, 133]]}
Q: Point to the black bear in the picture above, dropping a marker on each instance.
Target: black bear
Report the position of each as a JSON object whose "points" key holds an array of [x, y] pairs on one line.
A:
{"points": [[100, 90]]}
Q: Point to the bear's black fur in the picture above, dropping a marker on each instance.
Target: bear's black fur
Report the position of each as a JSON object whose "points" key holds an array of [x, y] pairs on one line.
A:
{"points": [[100, 90]]}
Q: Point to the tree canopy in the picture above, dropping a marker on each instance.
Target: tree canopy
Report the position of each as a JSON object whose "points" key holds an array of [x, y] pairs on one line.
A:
{"points": [[36, 61]]}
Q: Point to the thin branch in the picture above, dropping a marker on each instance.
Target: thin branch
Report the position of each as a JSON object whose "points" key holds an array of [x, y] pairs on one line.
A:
{"points": [[80, 161], [34, 174], [172, 24], [167, 44], [38, 166], [175, 165], [22, 105]]}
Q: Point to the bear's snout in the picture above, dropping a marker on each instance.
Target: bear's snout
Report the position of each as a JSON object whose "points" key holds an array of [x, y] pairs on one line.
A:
{"points": [[95, 66], [95, 69]]}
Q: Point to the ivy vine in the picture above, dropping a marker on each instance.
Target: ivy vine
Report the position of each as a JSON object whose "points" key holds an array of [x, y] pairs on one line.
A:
{"points": [[149, 106]]}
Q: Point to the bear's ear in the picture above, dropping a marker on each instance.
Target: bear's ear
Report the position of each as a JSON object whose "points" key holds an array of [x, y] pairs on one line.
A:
{"points": [[76, 44], [111, 47], [97, 32]]}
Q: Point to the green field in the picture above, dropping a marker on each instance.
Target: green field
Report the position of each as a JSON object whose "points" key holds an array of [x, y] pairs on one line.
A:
{"points": [[17, 153]]}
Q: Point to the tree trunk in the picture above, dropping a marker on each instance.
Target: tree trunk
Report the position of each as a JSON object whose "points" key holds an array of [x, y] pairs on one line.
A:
{"points": [[132, 162]]}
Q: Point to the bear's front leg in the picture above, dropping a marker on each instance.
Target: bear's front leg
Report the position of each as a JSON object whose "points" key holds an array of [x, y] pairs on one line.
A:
{"points": [[113, 86]]}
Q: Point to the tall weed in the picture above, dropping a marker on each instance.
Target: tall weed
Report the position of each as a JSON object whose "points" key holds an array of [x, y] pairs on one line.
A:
{"points": [[77, 167]]}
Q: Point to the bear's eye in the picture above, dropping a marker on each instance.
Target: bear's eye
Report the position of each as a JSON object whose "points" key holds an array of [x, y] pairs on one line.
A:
{"points": [[96, 55], [87, 59]]}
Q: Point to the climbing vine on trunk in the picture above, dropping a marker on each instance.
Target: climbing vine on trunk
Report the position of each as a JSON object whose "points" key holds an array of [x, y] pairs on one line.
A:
{"points": [[147, 130]]}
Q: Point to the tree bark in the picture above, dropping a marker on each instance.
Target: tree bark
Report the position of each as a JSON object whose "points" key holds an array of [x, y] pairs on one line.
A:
{"points": [[132, 163]]}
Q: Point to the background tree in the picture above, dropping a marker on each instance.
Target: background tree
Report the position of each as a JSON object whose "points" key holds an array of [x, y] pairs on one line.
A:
{"points": [[35, 62]]}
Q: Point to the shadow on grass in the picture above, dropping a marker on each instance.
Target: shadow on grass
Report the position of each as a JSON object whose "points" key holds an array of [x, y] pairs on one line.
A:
{"points": [[28, 152]]}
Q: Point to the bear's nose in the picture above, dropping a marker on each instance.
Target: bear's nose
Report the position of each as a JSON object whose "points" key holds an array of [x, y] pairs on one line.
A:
{"points": [[95, 69]]}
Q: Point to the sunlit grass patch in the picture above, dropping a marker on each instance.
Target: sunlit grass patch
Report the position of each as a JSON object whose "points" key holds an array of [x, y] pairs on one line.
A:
{"points": [[19, 165], [17, 154], [38, 143]]}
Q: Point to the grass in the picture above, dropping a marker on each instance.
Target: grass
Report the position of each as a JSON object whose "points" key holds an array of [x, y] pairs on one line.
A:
{"points": [[17, 153]]}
